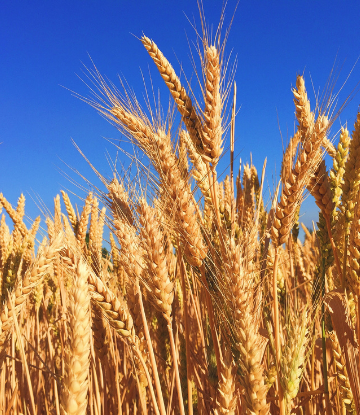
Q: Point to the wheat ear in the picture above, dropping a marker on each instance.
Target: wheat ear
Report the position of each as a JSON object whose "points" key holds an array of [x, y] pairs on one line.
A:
{"points": [[248, 341], [199, 171], [161, 287], [131, 259], [181, 98], [225, 397], [293, 358], [114, 308], [16, 218], [75, 384], [84, 220], [70, 210], [353, 265], [179, 193], [336, 182], [158, 147], [352, 175], [302, 106], [342, 375], [319, 187], [307, 161], [212, 137]]}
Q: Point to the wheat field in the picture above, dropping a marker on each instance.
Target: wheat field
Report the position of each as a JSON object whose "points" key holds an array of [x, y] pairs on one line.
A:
{"points": [[206, 301]]}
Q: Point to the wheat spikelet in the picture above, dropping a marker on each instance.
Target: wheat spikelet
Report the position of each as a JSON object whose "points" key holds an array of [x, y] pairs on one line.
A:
{"points": [[75, 384]]}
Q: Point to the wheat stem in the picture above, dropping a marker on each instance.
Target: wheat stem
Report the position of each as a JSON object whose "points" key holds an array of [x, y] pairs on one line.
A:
{"points": [[23, 356], [187, 336], [277, 330], [152, 356], [176, 367], [138, 353]]}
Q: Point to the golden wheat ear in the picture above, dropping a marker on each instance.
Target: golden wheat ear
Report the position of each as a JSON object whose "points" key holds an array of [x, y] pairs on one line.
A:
{"points": [[212, 136], [75, 384], [181, 98], [342, 375]]}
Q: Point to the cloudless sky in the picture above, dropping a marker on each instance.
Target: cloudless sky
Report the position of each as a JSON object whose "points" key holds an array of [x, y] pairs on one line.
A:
{"points": [[44, 44]]}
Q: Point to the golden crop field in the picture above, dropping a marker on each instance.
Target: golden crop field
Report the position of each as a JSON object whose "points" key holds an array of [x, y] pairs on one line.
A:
{"points": [[208, 302]]}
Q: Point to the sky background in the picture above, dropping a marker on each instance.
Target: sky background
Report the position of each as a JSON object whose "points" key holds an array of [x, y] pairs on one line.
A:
{"points": [[44, 44]]}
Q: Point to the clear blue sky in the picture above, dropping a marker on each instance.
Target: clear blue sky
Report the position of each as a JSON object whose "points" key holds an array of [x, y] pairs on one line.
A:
{"points": [[43, 45]]}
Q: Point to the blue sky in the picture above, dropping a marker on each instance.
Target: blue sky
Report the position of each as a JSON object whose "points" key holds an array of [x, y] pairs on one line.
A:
{"points": [[44, 44]]}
